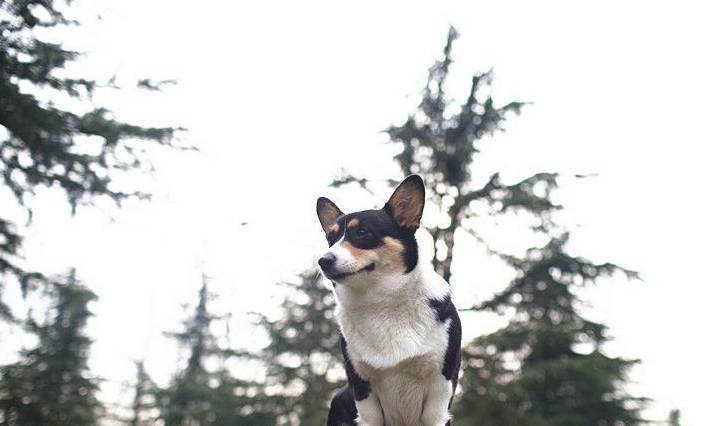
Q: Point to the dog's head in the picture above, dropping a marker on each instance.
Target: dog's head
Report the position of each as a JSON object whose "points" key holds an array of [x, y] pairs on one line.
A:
{"points": [[370, 245]]}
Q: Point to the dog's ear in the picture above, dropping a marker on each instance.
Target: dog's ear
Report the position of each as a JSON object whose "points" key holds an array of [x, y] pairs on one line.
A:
{"points": [[407, 202], [327, 212]]}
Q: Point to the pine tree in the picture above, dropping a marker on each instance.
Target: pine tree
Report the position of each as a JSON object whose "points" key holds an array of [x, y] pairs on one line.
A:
{"points": [[77, 150], [303, 355], [674, 418], [144, 402], [51, 383], [199, 395], [442, 146], [563, 376]]}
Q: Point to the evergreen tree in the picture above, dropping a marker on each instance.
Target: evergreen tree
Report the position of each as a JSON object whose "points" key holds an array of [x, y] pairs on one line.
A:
{"points": [[51, 383], [144, 402], [199, 395], [443, 145], [303, 355], [563, 377], [77, 150], [674, 418]]}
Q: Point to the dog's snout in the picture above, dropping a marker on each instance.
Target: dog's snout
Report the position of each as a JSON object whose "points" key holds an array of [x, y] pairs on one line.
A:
{"points": [[326, 261]]}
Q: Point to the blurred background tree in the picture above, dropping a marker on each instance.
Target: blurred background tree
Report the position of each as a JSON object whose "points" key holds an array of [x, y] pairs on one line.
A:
{"points": [[51, 384], [204, 392], [674, 418], [303, 357], [144, 403], [443, 146], [546, 366], [52, 134]]}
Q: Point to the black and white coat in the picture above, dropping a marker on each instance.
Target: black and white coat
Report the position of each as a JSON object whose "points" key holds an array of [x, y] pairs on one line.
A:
{"points": [[402, 352], [400, 330]]}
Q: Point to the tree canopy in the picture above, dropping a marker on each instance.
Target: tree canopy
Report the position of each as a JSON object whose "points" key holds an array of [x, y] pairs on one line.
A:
{"points": [[51, 132], [51, 383]]}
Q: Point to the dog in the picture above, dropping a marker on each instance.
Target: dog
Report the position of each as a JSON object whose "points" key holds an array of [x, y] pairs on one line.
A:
{"points": [[400, 330]]}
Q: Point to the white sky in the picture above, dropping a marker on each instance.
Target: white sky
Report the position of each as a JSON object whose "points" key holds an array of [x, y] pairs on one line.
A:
{"points": [[279, 95]]}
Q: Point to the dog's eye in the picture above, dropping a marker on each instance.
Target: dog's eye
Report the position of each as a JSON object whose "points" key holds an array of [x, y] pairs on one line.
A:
{"points": [[362, 232]]}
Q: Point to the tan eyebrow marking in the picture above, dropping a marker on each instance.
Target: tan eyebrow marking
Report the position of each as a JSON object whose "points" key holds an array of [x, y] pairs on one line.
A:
{"points": [[353, 223]]}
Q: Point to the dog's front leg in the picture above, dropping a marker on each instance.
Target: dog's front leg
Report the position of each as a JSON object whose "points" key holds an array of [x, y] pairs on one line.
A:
{"points": [[370, 412], [435, 409], [368, 406]]}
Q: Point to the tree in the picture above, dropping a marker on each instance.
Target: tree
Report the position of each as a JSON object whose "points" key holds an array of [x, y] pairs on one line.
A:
{"points": [[674, 418], [144, 402], [563, 377], [442, 146], [51, 383], [303, 356], [65, 143], [203, 396]]}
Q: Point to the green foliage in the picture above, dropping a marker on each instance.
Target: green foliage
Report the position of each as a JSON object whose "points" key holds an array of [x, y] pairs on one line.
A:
{"points": [[546, 366], [144, 402], [303, 356], [204, 396], [42, 144], [441, 145], [674, 418], [441, 141], [51, 383], [452, 138]]}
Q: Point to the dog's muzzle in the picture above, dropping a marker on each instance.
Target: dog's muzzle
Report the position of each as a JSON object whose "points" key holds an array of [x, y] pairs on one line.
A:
{"points": [[327, 264]]}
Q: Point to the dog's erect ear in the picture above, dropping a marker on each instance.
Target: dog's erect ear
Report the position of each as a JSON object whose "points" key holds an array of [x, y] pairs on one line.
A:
{"points": [[407, 202], [327, 212]]}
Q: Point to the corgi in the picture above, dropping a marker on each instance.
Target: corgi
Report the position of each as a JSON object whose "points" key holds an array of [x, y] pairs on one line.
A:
{"points": [[400, 330]]}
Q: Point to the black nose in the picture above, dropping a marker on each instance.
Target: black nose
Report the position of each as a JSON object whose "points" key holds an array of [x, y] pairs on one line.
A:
{"points": [[326, 261]]}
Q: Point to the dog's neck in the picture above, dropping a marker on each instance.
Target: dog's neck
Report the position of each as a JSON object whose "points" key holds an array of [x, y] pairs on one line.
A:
{"points": [[393, 291], [387, 322]]}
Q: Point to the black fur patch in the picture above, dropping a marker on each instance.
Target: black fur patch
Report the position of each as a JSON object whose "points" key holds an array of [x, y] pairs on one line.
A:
{"points": [[343, 411], [360, 388], [444, 310]]}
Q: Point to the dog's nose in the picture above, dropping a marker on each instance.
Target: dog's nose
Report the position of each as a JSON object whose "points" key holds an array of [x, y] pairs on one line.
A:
{"points": [[326, 261]]}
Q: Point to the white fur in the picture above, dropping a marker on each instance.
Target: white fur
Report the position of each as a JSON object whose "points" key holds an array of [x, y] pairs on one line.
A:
{"points": [[344, 262], [396, 343], [435, 412], [369, 412]]}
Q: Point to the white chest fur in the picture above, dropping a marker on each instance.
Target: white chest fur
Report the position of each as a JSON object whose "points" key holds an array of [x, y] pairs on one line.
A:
{"points": [[392, 321], [395, 340]]}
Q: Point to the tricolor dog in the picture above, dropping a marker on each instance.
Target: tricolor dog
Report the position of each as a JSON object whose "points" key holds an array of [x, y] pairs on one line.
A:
{"points": [[400, 330]]}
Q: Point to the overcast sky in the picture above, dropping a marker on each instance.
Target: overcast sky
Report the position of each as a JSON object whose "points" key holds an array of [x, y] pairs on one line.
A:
{"points": [[279, 95]]}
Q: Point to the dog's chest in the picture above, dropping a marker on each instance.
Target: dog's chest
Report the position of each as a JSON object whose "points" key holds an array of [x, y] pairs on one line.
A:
{"points": [[402, 389], [400, 351], [385, 338]]}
